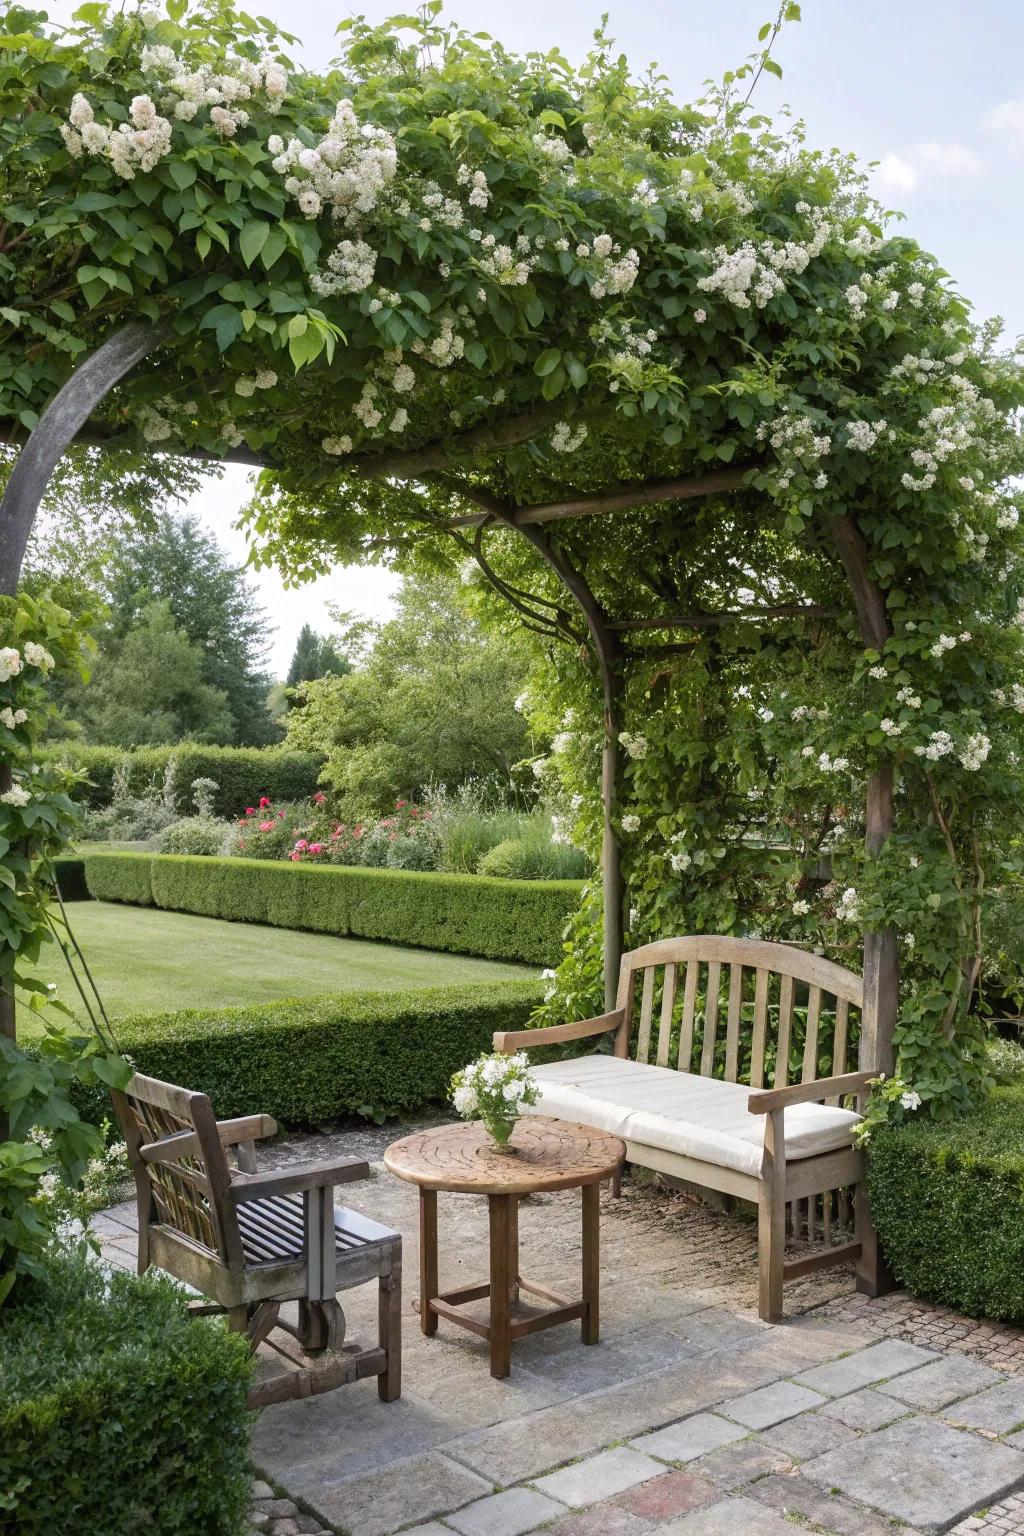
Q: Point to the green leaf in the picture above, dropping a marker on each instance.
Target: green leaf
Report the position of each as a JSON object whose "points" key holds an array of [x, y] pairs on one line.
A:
{"points": [[273, 247], [181, 173], [547, 362], [475, 354], [252, 238], [577, 371]]}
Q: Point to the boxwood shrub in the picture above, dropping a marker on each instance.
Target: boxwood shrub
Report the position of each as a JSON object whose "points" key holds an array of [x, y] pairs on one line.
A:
{"points": [[464, 914], [369, 1053], [948, 1202], [242, 774], [118, 1413]]}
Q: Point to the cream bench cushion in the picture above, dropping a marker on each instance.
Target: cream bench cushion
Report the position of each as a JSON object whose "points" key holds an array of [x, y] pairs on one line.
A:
{"points": [[697, 1117]]}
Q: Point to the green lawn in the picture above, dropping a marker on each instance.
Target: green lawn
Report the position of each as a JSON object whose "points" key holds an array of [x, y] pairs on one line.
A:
{"points": [[147, 961]]}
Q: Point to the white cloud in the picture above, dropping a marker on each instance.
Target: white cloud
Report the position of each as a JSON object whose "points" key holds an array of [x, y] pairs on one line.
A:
{"points": [[1008, 120], [926, 162]]}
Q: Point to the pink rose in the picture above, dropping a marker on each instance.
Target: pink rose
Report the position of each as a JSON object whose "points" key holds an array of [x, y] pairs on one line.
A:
{"points": [[250, 810], [296, 858], [266, 826], [264, 803]]}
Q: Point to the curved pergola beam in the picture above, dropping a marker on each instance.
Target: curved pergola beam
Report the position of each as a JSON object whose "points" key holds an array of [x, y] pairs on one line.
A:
{"points": [[56, 430]]}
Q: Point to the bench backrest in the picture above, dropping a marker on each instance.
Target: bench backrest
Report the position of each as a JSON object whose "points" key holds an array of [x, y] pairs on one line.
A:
{"points": [[181, 1169], [742, 1009]]}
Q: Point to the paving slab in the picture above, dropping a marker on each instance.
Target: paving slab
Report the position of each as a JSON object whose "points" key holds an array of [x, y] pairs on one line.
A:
{"points": [[730, 1517], [865, 1367], [432, 1528], [822, 1508], [999, 1409], [921, 1471], [770, 1405], [602, 1520], [509, 1513], [807, 1436], [733, 1466], [599, 1477], [690, 1438], [672, 1494], [867, 1409], [943, 1382], [312, 1439], [417, 1489]]}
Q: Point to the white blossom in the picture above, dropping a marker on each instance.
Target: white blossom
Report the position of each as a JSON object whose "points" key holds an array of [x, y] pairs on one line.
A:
{"points": [[16, 796], [38, 656], [631, 822], [10, 663], [636, 746]]}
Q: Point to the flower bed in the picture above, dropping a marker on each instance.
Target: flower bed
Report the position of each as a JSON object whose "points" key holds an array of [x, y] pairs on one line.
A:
{"points": [[464, 914], [368, 1053]]}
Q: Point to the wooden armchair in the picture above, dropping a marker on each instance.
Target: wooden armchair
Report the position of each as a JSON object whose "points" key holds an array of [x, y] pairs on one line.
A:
{"points": [[252, 1241]]}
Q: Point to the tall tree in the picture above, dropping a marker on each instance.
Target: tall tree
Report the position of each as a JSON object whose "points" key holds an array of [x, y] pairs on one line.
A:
{"points": [[315, 656], [148, 687], [177, 562]]}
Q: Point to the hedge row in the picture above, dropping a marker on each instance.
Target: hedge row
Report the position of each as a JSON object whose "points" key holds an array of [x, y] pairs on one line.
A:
{"points": [[118, 1412], [376, 1054], [948, 1201], [464, 914], [242, 774]]}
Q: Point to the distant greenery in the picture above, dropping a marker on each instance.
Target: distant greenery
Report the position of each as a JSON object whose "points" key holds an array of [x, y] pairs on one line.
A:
{"points": [[315, 656], [432, 701]]}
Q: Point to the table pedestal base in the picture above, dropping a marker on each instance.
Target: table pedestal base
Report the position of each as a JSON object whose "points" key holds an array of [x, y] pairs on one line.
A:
{"points": [[506, 1283]]}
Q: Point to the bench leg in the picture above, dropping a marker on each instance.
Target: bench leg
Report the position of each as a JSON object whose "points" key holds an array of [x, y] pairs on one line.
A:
{"points": [[771, 1221], [874, 1278], [616, 1185], [389, 1382], [428, 1259]]}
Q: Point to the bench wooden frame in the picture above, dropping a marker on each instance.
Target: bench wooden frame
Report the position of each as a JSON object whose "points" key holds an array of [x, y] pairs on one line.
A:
{"points": [[252, 1241], [779, 1182]]}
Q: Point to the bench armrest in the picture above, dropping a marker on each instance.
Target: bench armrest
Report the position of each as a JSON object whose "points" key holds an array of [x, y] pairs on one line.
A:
{"points": [[525, 1039], [765, 1101], [246, 1128], [289, 1181]]}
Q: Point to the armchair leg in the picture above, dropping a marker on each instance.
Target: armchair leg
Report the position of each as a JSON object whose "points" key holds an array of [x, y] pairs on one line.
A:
{"points": [[771, 1255], [389, 1382], [874, 1278]]}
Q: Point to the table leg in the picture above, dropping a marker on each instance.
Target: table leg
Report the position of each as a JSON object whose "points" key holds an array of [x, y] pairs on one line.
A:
{"points": [[591, 1321], [501, 1210], [428, 1259], [513, 1244]]}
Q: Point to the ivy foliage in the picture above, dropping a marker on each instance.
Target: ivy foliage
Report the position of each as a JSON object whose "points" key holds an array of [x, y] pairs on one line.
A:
{"points": [[437, 278]]}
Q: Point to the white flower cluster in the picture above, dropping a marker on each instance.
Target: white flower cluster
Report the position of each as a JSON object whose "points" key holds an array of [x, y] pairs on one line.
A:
{"points": [[636, 746], [510, 266], [974, 752], [189, 90], [890, 727], [134, 146], [940, 744], [613, 270], [911, 1099], [809, 712], [16, 796], [908, 697], [848, 906], [948, 643], [13, 717], [10, 663], [349, 171], [552, 149], [476, 181], [801, 908], [494, 1086], [1014, 696], [248, 384], [336, 446], [350, 269], [827, 764], [631, 822], [38, 656], [565, 440], [862, 436]]}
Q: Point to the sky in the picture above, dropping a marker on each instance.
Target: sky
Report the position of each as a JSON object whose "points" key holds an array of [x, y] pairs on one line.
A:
{"points": [[933, 90]]}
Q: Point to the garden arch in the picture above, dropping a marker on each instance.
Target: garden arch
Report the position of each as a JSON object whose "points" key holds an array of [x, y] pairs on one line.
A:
{"points": [[551, 296]]}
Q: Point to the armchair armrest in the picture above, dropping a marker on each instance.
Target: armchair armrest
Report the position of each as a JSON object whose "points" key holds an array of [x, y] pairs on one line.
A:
{"points": [[246, 1128], [508, 1041], [289, 1181], [765, 1101]]}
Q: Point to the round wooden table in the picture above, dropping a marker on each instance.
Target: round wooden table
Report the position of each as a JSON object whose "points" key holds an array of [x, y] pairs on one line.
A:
{"points": [[543, 1154]]}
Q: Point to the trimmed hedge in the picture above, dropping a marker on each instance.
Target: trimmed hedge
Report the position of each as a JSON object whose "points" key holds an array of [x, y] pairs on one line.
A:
{"points": [[242, 774], [376, 1054], [947, 1198], [464, 914], [119, 1413]]}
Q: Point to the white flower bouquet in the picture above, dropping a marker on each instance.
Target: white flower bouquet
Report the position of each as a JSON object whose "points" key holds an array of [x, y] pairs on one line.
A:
{"points": [[494, 1089]]}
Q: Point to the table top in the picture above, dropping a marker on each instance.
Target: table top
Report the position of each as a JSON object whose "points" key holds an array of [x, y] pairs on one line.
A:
{"points": [[542, 1154]]}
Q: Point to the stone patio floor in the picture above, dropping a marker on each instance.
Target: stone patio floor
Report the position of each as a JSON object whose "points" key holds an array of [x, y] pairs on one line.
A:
{"points": [[690, 1418]]}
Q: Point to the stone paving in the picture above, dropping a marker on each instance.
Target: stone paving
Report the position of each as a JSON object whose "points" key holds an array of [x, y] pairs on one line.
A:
{"points": [[690, 1418]]}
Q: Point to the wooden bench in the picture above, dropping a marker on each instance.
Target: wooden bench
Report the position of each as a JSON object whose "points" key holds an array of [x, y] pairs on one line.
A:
{"points": [[723, 1026], [253, 1241]]}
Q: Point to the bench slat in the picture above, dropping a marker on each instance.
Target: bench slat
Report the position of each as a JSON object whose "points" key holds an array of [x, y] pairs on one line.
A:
{"points": [[732, 1028], [668, 1004], [689, 1011], [785, 1028], [707, 1055], [643, 1043], [840, 1042], [757, 1043], [810, 1070]]}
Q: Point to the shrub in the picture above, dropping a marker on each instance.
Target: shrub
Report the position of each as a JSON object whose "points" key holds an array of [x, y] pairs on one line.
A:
{"points": [[468, 822], [464, 914], [366, 1053], [195, 835], [947, 1198], [118, 1412], [282, 773], [534, 858], [1006, 1060]]}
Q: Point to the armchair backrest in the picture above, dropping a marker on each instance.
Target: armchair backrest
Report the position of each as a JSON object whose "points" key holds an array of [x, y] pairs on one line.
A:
{"points": [[741, 1009], [180, 1167]]}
